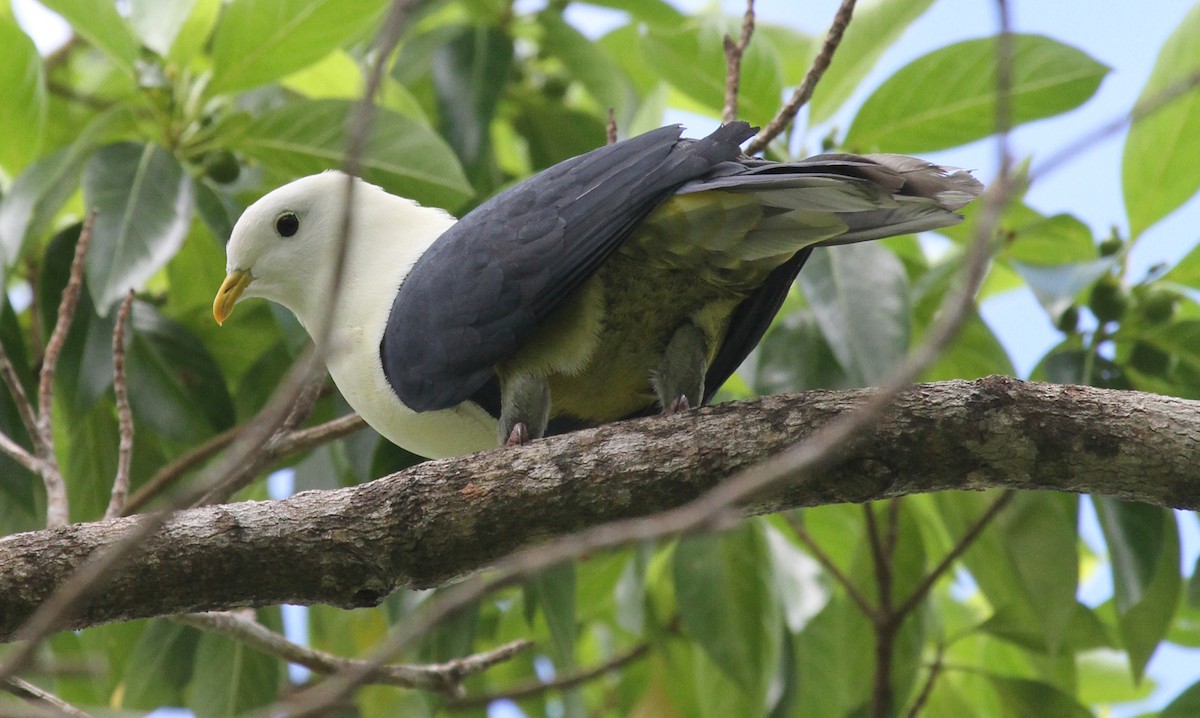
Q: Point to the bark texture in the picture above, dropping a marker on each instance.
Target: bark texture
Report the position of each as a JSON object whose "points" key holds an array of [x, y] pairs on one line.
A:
{"points": [[424, 526]]}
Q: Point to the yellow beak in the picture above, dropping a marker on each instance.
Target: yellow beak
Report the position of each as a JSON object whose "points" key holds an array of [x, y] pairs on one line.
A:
{"points": [[228, 294]]}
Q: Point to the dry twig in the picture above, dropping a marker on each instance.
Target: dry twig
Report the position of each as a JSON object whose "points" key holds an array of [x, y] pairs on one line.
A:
{"points": [[610, 127], [935, 670], [733, 64], [803, 93], [571, 680], [57, 508], [47, 703], [441, 677], [120, 487]]}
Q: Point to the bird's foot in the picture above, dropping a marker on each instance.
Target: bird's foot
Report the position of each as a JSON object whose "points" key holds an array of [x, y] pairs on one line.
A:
{"points": [[519, 435], [680, 403]]}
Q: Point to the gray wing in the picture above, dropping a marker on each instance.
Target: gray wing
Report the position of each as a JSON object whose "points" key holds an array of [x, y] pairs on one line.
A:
{"points": [[871, 197], [488, 283]]}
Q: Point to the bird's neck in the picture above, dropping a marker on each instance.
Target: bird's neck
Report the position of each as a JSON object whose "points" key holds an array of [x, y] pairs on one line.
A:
{"points": [[387, 236]]}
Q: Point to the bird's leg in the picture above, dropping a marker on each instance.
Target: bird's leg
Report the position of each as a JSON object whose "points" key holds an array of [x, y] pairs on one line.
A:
{"points": [[524, 409], [679, 380]]}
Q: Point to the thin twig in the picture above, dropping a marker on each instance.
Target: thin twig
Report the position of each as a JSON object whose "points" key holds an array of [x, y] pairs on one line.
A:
{"points": [[570, 680], [935, 669], [120, 489], [244, 475], [734, 51], [57, 509], [831, 568], [20, 398], [40, 697], [441, 677], [17, 453], [294, 442], [804, 92], [964, 542], [183, 464], [892, 536], [887, 623], [304, 439], [610, 127]]}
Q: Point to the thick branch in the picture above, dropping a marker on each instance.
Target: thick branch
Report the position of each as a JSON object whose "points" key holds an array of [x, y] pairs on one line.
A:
{"points": [[438, 520]]}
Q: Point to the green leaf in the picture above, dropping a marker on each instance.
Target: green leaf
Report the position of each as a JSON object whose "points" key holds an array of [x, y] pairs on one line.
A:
{"points": [[948, 97], [876, 25], [23, 87], [1037, 528], [794, 49], [588, 64], [1143, 546], [29, 207], [1158, 171], [85, 366], [470, 72], [976, 352], [175, 387], [1104, 678], [1084, 631], [160, 667], [1057, 287], [158, 22], [555, 592], [257, 41], [1185, 705], [1059, 239], [1022, 698], [555, 132], [655, 12], [143, 203], [195, 32], [230, 678], [101, 25], [723, 588], [402, 155], [691, 58], [859, 294]]}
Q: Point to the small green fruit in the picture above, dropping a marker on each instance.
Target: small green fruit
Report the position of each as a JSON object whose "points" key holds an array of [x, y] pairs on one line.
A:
{"points": [[1068, 321], [222, 167], [1149, 359], [1111, 246], [1158, 306], [1109, 301]]}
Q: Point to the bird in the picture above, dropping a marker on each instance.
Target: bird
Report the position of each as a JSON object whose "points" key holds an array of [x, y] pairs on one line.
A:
{"points": [[627, 281]]}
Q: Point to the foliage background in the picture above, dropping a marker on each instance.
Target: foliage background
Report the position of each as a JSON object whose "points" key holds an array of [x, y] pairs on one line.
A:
{"points": [[164, 120]]}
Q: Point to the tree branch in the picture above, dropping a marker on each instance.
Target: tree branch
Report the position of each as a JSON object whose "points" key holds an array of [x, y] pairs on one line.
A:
{"points": [[442, 519], [440, 677], [617, 662]]}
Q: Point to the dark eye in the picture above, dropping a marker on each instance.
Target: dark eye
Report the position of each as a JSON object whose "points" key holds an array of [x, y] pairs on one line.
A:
{"points": [[287, 224]]}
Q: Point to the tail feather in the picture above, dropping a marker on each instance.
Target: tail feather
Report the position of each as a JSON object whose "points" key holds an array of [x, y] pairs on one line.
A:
{"points": [[838, 199]]}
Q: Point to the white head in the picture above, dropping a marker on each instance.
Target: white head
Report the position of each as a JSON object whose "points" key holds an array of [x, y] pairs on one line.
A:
{"points": [[285, 246]]}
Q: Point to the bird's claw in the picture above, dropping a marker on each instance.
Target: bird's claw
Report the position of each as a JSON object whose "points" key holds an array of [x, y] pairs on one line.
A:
{"points": [[681, 403], [518, 436]]}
